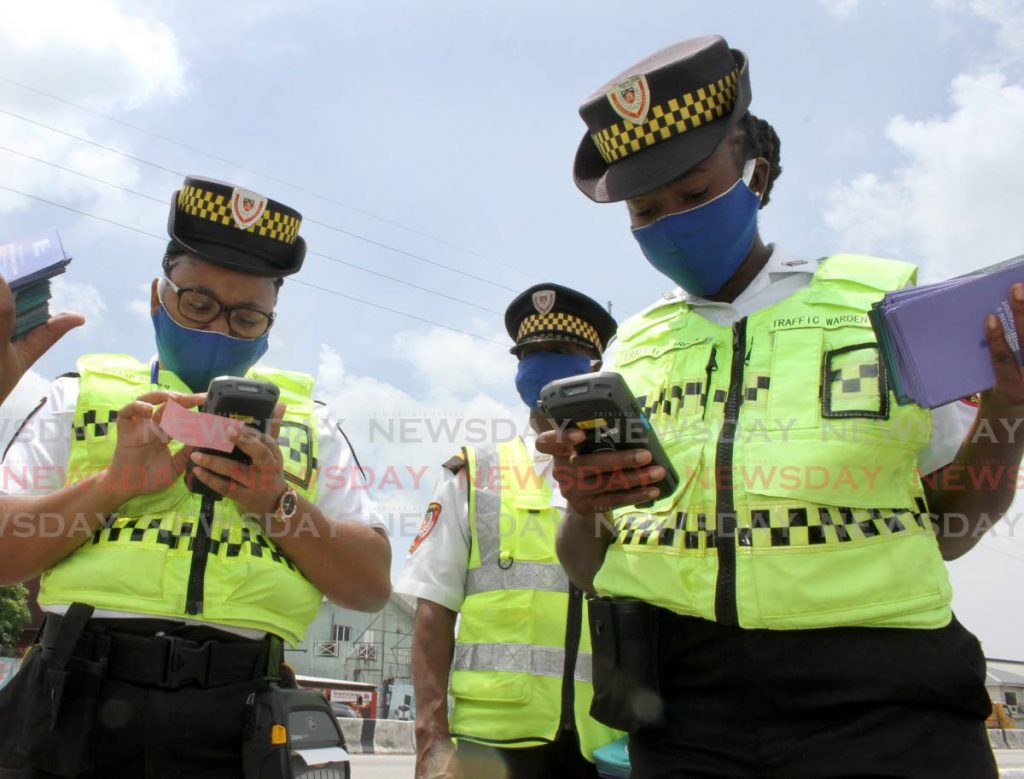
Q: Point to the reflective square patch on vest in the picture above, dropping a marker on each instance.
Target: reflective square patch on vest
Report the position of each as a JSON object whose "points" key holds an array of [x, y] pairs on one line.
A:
{"points": [[296, 442], [854, 384]]}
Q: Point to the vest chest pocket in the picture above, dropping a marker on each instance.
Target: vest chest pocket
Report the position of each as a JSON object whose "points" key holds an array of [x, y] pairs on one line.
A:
{"points": [[670, 380], [796, 359], [854, 383], [533, 535], [96, 428], [296, 442]]}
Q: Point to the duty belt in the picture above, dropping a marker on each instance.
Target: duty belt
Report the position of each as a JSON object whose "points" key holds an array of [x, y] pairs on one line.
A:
{"points": [[167, 661]]}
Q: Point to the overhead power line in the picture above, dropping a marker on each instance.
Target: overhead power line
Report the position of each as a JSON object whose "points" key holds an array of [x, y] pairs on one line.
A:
{"points": [[991, 548], [268, 176], [295, 281], [182, 174], [331, 258]]}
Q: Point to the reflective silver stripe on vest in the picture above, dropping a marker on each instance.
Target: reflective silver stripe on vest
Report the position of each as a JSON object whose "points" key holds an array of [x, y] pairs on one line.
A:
{"points": [[519, 658], [487, 484], [549, 577]]}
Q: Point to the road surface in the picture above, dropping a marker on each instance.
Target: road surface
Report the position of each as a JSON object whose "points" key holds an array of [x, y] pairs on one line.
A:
{"points": [[382, 766], [1011, 763]]}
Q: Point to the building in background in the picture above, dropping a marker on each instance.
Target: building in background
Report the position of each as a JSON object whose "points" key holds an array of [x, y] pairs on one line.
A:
{"points": [[1005, 684], [360, 647]]}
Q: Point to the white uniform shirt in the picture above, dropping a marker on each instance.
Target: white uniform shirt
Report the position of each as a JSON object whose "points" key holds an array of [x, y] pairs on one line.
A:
{"points": [[783, 275], [436, 570], [36, 462]]}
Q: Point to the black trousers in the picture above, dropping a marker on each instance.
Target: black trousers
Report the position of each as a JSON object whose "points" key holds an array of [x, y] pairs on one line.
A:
{"points": [[816, 704], [561, 759], [153, 733]]}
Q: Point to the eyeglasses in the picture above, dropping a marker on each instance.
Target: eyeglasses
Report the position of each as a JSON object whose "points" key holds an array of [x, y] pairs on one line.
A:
{"points": [[201, 307]]}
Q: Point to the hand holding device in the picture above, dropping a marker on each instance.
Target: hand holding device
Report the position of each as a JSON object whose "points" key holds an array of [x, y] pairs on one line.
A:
{"points": [[603, 408], [252, 402]]}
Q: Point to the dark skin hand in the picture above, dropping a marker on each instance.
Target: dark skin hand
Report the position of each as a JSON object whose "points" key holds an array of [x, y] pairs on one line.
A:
{"points": [[962, 513], [16, 357], [52, 526], [433, 645]]}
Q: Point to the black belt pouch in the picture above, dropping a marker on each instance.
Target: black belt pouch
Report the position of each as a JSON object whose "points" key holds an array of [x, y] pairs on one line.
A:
{"points": [[624, 637], [47, 711]]}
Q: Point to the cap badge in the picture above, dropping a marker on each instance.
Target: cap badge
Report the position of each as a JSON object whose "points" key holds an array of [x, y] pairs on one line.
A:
{"points": [[631, 99], [544, 300], [246, 208]]}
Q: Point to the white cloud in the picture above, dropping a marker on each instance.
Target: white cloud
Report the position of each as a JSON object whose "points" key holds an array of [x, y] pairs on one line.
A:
{"points": [[78, 296], [1006, 15], [140, 305], [410, 436], [457, 363], [96, 55], [841, 9], [954, 204], [117, 59]]}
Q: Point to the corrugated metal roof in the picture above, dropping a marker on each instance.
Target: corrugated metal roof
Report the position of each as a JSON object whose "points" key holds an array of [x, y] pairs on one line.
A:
{"points": [[997, 674]]}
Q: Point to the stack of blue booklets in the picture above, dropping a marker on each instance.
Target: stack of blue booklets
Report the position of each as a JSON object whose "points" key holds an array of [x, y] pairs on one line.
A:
{"points": [[932, 338], [27, 265]]}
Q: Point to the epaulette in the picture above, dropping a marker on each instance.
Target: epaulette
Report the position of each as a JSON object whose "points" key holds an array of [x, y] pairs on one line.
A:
{"points": [[665, 307], [455, 463]]}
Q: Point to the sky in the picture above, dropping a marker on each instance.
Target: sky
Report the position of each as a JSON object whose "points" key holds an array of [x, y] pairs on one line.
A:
{"points": [[429, 147]]}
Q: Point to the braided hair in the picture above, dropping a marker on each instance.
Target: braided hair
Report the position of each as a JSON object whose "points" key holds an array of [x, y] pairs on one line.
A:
{"points": [[757, 138]]}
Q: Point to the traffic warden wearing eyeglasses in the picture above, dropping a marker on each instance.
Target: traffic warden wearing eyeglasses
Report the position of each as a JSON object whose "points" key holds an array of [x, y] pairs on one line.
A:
{"points": [[485, 554], [786, 612], [154, 684]]}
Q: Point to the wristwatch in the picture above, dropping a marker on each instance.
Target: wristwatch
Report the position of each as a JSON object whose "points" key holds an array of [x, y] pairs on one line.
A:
{"points": [[286, 506]]}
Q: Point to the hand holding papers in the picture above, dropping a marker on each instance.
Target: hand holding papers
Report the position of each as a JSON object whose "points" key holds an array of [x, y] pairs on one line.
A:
{"points": [[28, 265], [932, 338], [26, 328]]}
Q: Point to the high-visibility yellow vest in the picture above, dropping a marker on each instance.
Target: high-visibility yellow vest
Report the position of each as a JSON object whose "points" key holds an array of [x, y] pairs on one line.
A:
{"points": [[800, 505], [143, 558], [519, 630]]}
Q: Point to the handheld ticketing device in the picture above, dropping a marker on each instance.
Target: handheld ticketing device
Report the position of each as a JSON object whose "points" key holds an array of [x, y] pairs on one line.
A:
{"points": [[248, 400], [602, 406]]}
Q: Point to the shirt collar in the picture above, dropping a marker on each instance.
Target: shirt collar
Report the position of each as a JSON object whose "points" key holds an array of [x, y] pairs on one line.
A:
{"points": [[780, 264]]}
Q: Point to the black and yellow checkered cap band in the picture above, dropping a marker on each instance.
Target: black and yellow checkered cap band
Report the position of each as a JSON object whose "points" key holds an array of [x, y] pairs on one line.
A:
{"points": [[215, 207], [668, 120], [559, 324]]}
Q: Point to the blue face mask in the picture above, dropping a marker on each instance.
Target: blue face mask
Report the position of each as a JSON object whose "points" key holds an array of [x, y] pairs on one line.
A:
{"points": [[702, 248], [197, 356], [538, 368]]}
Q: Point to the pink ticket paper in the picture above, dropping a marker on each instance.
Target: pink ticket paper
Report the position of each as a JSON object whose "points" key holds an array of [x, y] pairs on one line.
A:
{"points": [[197, 429]]}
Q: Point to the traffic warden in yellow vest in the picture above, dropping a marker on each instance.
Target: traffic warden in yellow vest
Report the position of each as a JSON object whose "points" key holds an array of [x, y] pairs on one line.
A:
{"points": [[184, 625], [786, 612], [520, 667]]}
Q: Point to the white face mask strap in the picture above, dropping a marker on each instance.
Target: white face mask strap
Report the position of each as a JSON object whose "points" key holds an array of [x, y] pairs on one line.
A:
{"points": [[748, 171], [748, 174]]}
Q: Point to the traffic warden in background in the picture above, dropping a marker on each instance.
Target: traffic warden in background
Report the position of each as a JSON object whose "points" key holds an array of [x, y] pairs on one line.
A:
{"points": [[151, 646], [763, 620], [520, 666]]}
